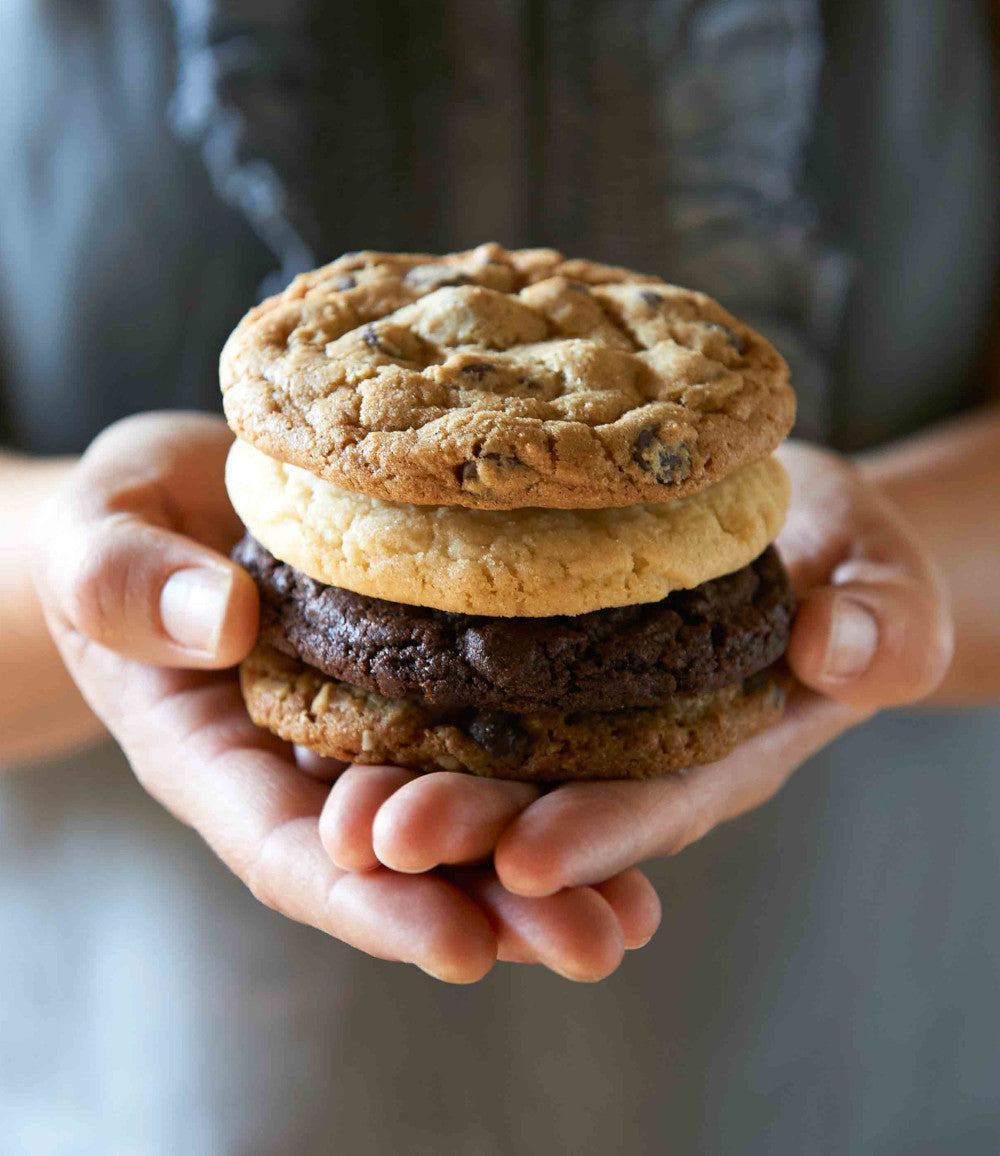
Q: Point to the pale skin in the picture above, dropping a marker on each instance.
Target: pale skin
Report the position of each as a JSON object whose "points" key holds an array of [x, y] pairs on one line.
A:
{"points": [[444, 870]]}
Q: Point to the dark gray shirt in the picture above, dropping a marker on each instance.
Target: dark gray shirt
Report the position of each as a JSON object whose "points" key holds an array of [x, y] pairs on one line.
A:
{"points": [[824, 980]]}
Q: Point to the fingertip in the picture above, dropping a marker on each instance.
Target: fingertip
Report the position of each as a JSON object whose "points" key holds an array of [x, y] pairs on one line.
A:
{"points": [[461, 949], [239, 622], [535, 855], [209, 611], [872, 645], [424, 920], [636, 906], [399, 828], [153, 595], [524, 867], [574, 933], [347, 820], [813, 639], [130, 552], [473, 964], [597, 954], [445, 817], [244, 610]]}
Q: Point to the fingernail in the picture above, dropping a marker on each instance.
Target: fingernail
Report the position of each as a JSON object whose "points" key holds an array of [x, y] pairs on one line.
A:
{"points": [[193, 607], [852, 642]]}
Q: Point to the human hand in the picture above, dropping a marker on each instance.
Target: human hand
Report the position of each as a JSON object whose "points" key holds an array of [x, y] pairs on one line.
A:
{"points": [[148, 613], [873, 630]]}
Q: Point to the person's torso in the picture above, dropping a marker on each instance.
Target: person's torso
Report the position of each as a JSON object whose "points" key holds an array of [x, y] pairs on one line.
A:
{"points": [[159, 171], [793, 998]]}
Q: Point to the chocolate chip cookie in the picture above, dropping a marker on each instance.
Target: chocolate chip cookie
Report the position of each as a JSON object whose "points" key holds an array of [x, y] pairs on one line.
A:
{"points": [[500, 379]]}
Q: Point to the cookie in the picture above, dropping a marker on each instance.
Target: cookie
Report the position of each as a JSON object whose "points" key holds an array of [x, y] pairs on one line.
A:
{"points": [[690, 643], [528, 562], [496, 380], [356, 725]]}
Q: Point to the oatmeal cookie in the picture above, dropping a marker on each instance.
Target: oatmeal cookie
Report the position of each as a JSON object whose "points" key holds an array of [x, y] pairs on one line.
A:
{"points": [[356, 725]]}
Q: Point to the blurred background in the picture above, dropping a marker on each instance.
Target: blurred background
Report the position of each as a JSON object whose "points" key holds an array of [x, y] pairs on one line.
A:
{"points": [[825, 976]]}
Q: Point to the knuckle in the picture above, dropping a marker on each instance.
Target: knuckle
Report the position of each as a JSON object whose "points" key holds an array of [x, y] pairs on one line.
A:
{"points": [[689, 831], [681, 834], [109, 587], [686, 822], [92, 589], [259, 880], [121, 434], [85, 593], [260, 888], [266, 871]]}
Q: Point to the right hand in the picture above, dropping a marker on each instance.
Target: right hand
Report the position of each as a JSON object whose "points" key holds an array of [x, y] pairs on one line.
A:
{"points": [[150, 616]]}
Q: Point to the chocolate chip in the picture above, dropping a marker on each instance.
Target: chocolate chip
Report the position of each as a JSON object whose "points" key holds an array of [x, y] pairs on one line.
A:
{"points": [[501, 735], [764, 681], [468, 472], [431, 277], [669, 464], [478, 369], [379, 343], [578, 286], [651, 298], [755, 682], [344, 283]]}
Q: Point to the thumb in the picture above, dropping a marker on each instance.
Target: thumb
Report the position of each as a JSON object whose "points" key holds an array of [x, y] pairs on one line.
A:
{"points": [[116, 564], [878, 633]]}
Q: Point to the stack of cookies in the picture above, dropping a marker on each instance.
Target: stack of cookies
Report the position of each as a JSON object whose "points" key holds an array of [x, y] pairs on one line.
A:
{"points": [[510, 514]]}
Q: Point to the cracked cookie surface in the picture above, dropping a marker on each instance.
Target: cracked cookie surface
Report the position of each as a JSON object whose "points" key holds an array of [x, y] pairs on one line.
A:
{"points": [[345, 722], [527, 562], [692, 642], [497, 379]]}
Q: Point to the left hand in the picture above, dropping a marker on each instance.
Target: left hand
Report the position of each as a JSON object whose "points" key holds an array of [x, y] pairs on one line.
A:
{"points": [[150, 615], [873, 630]]}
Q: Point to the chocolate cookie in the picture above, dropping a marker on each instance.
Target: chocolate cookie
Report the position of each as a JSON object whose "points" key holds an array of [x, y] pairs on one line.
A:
{"points": [[690, 643], [498, 379], [346, 722]]}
